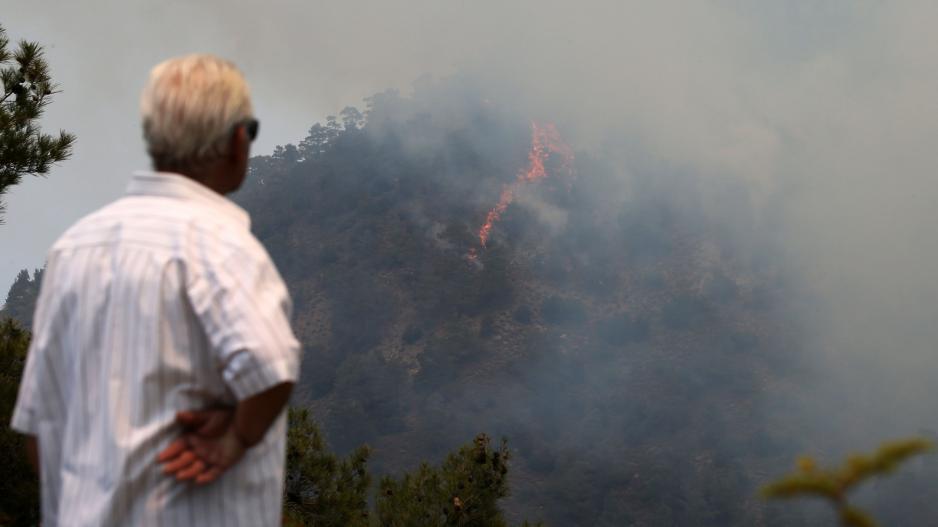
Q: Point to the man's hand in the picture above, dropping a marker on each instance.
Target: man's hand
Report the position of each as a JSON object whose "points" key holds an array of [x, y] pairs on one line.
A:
{"points": [[214, 440], [207, 448]]}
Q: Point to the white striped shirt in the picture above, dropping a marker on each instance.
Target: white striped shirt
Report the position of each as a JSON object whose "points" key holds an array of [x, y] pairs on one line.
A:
{"points": [[159, 302]]}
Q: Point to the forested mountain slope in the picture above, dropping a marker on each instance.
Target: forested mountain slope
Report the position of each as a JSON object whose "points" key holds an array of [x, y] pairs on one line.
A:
{"points": [[621, 338]]}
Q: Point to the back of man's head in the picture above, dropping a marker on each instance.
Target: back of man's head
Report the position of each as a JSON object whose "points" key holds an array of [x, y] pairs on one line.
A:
{"points": [[190, 106]]}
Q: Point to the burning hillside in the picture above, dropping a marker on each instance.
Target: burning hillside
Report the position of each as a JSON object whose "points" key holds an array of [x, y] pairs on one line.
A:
{"points": [[545, 140], [616, 333]]}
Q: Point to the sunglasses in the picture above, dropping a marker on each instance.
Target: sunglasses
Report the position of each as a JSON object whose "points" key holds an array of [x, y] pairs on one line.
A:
{"points": [[251, 126]]}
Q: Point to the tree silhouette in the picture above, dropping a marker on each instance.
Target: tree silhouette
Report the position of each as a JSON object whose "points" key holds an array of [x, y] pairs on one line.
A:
{"points": [[21, 300], [27, 90]]}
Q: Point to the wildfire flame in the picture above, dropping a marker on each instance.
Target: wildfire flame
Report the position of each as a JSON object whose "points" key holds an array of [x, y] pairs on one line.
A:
{"points": [[545, 140]]}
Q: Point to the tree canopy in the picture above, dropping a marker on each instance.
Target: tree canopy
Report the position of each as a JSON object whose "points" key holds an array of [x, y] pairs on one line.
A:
{"points": [[27, 90]]}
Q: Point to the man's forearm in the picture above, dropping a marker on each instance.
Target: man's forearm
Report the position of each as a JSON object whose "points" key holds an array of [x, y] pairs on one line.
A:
{"points": [[254, 415], [32, 452]]}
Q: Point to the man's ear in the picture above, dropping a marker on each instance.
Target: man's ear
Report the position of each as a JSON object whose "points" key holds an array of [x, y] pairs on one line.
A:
{"points": [[239, 141]]}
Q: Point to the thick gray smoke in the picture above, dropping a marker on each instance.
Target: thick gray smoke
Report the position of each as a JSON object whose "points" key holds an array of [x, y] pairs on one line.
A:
{"points": [[825, 110]]}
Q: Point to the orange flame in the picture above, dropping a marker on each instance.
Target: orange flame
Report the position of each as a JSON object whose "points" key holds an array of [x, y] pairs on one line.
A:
{"points": [[545, 140]]}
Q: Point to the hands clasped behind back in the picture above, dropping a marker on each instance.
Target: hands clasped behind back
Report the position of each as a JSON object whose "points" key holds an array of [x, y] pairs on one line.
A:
{"points": [[208, 446]]}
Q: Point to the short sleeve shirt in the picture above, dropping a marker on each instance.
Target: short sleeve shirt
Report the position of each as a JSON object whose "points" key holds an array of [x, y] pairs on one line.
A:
{"points": [[160, 302]]}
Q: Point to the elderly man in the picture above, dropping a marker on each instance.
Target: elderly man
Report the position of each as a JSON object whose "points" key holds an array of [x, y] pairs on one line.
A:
{"points": [[162, 356]]}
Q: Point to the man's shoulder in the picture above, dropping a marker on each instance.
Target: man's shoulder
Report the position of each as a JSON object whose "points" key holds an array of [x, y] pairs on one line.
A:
{"points": [[158, 221], [88, 224]]}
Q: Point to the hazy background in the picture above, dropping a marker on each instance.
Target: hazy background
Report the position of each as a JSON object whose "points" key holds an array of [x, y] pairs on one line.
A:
{"points": [[828, 108]]}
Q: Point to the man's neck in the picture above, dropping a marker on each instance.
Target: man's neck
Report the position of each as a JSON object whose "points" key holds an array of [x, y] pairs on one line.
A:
{"points": [[212, 177]]}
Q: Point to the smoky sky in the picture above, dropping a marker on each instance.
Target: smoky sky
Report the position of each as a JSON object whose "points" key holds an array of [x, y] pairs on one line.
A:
{"points": [[827, 109]]}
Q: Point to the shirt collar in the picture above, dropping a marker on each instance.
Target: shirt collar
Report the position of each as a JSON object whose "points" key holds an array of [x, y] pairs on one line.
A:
{"points": [[168, 184]]}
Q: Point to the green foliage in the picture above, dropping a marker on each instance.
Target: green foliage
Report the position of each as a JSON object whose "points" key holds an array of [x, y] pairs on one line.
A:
{"points": [[321, 489], [463, 491], [833, 484], [27, 90], [19, 488]]}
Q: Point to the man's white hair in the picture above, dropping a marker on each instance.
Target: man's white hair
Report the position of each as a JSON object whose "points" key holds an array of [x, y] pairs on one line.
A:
{"points": [[190, 106]]}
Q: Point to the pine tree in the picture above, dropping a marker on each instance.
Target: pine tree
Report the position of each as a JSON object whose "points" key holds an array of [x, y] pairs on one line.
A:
{"points": [[27, 90], [19, 489], [21, 300], [323, 490], [463, 491], [320, 488]]}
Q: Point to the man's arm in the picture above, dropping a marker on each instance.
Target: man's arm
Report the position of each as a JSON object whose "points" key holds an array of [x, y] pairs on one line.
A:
{"points": [[254, 415], [32, 452], [243, 305]]}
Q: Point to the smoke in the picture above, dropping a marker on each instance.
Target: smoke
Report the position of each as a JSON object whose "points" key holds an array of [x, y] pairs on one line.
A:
{"points": [[823, 110], [823, 113]]}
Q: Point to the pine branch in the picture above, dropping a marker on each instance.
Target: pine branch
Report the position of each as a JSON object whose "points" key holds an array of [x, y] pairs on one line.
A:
{"points": [[27, 90], [834, 484]]}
